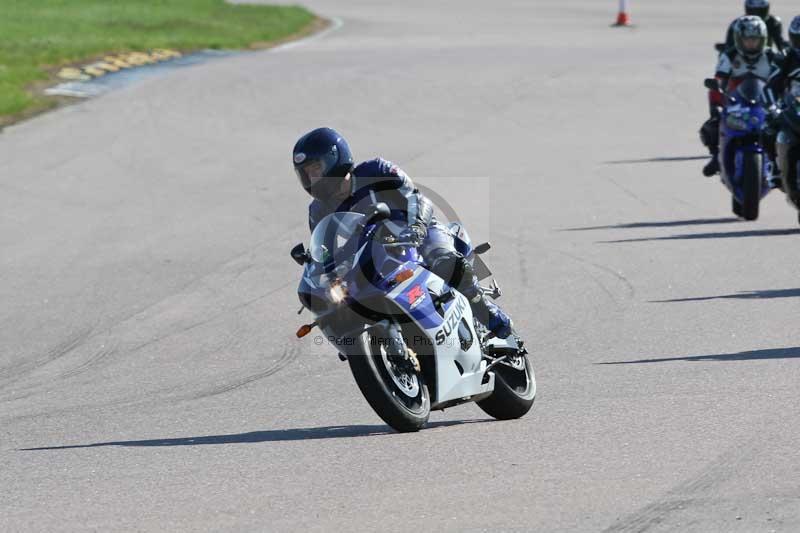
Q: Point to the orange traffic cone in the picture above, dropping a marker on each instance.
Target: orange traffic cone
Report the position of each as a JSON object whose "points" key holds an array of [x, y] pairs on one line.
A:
{"points": [[623, 19]]}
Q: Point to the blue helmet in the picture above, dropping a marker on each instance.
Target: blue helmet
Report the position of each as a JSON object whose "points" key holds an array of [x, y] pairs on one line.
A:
{"points": [[758, 8], [322, 158], [794, 33]]}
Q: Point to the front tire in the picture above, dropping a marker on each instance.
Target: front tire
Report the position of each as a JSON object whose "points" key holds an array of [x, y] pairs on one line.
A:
{"points": [[514, 391], [752, 177], [400, 399]]}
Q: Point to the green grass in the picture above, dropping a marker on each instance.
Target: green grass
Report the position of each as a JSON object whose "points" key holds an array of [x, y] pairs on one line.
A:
{"points": [[38, 35]]}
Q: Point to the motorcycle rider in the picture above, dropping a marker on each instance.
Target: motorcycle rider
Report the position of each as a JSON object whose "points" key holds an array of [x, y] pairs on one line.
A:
{"points": [[748, 58], [326, 170], [788, 74], [760, 8], [787, 77]]}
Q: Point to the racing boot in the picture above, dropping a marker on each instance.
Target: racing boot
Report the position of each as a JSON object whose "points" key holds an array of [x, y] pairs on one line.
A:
{"points": [[775, 181], [712, 167], [491, 316], [454, 267]]}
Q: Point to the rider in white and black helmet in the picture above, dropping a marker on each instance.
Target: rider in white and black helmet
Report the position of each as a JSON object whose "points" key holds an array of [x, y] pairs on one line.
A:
{"points": [[760, 8], [750, 37], [749, 58]]}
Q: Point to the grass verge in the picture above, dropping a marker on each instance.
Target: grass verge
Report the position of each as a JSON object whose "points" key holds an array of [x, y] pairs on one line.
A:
{"points": [[37, 36]]}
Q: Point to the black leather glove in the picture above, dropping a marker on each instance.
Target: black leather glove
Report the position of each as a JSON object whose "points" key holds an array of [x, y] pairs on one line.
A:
{"points": [[414, 234]]}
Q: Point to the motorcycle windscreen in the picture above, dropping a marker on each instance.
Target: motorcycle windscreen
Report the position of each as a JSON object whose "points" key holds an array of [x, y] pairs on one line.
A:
{"points": [[751, 90], [333, 239]]}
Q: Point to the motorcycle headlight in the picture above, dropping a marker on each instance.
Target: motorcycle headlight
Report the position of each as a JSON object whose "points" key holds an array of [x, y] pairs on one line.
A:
{"points": [[338, 292]]}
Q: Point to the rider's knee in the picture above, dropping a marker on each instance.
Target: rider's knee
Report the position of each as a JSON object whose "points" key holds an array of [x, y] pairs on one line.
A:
{"points": [[453, 267], [709, 132]]}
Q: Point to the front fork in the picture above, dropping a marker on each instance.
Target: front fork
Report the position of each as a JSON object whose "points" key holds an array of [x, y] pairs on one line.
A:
{"points": [[390, 335]]}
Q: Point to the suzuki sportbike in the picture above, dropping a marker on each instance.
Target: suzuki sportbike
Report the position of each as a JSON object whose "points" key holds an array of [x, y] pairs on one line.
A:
{"points": [[410, 339]]}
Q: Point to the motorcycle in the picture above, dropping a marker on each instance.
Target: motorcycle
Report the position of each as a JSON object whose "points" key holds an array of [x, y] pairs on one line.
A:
{"points": [[788, 147], [745, 167], [409, 338]]}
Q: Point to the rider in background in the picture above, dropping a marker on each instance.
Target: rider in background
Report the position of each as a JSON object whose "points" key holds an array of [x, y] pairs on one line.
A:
{"points": [[787, 78], [760, 8], [748, 58], [324, 165]]}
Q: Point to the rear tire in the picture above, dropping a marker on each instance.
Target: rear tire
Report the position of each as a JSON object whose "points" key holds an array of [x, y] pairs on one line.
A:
{"points": [[394, 404], [514, 392], [752, 178]]}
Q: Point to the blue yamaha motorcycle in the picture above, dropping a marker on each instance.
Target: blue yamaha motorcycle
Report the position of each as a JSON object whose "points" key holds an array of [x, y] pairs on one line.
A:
{"points": [[745, 167], [410, 339]]}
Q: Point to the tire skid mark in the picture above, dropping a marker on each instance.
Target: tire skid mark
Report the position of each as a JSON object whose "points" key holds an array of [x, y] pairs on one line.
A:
{"points": [[210, 319], [17, 371], [629, 288], [41, 385], [601, 285], [288, 355], [112, 350], [126, 401], [628, 192], [163, 395], [91, 362], [685, 494]]}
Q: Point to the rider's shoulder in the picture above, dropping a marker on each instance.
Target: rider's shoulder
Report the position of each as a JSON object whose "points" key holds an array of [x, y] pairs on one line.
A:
{"points": [[726, 60], [378, 168], [730, 53], [774, 56]]}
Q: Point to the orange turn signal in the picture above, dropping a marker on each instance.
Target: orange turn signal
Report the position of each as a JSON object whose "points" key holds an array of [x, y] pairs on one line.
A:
{"points": [[403, 275], [304, 330]]}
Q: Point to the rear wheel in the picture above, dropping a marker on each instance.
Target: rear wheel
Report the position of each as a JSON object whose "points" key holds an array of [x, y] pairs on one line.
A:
{"points": [[752, 177], [514, 389], [396, 392]]}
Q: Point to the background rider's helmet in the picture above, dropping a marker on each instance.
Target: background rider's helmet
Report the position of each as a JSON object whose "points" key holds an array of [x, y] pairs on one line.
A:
{"points": [[750, 36], [758, 8], [794, 33], [322, 159]]}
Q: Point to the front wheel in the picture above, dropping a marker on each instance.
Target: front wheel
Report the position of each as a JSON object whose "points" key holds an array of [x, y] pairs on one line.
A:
{"points": [[397, 393], [752, 177], [514, 389]]}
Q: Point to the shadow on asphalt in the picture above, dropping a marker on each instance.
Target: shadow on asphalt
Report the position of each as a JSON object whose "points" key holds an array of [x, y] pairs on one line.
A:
{"points": [[753, 355], [715, 235], [657, 160], [745, 295], [274, 435], [661, 224]]}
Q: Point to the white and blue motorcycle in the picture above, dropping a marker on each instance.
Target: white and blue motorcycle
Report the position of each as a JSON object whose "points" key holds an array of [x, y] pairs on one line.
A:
{"points": [[410, 339]]}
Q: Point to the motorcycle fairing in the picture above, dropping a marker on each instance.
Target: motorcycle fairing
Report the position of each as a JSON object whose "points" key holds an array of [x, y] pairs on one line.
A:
{"points": [[459, 372]]}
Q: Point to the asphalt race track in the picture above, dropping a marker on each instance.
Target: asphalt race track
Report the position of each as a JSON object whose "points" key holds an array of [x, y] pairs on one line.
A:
{"points": [[149, 375]]}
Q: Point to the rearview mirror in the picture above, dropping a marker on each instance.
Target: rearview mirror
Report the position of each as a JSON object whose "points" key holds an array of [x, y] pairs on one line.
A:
{"points": [[299, 254], [482, 248], [379, 211], [712, 84]]}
